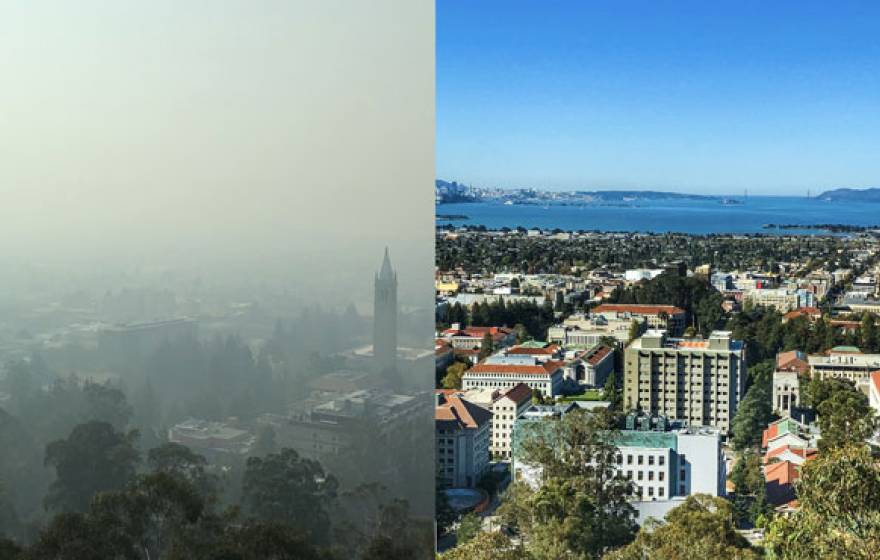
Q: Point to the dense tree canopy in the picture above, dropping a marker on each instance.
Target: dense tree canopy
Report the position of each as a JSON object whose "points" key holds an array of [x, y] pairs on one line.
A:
{"points": [[702, 527], [839, 516], [580, 508]]}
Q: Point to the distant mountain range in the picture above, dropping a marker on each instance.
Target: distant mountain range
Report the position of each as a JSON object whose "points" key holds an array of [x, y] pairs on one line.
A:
{"points": [[453, 191], [643, 195], [852, 195]]}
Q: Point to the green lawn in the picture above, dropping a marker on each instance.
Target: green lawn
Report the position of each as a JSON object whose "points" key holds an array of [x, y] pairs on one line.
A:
{"points": [[588, 395]]}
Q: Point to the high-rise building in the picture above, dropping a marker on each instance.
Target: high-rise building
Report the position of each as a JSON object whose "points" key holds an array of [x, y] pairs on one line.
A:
{"points": [[699, 382], [385, 317]]}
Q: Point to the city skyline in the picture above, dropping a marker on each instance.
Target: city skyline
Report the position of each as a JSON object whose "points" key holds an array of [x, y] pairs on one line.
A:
{"points": [[703, 99]]}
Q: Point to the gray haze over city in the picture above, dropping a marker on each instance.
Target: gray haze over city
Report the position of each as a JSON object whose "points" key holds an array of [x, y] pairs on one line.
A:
{"points": [[197, 201]]}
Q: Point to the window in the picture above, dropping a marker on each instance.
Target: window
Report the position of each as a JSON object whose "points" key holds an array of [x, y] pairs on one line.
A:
{"points": [[641, 475], [641, 460], [651, 460], [650, 475], [629, 459], [661, 460], [661, 491], [661, 476]]}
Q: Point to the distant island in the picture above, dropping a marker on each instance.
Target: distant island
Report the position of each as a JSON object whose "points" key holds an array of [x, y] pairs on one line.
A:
{"points": [[871, 194], [834, 228], [451, 217], [454, 192]]}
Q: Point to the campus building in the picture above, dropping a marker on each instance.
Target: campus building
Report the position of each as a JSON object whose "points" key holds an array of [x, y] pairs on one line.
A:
{"points": [[844, 362], [667, 317], [462, 431], [697, 381]]}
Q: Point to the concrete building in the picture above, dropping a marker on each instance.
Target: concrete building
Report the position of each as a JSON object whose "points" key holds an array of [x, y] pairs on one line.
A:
{"points": [[699, 382], [580, 331], [782, 300], [462, 431], [211, 439], [845, 362], [664, 461], [667, 317], [505, 410], [598, 365], [325, 429]]}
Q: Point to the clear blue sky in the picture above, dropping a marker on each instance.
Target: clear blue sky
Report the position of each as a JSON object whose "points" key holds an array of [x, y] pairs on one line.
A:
{"points": [[776, 97]]}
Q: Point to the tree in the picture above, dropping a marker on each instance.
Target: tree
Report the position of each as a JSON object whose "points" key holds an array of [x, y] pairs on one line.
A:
{"points": [[751, 490], [486, 347], [180, 461], [94, 458], [611, 394], [701, 527], [522, 334], [845, 417], [868, 333], [106, 404], [468, 528], [839, 516], [453, 377], [265, 443], [265, 540], [487, 546], [635, 330], [148, 517], [756, 409], [581, 507], [284, 487]]}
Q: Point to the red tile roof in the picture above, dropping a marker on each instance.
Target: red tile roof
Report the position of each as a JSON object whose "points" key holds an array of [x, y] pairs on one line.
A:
{"points": [[771, 432], [791, 361], [598, 354], [519, 393], [875, 380], [805, 453], [803, 311], [525, 350], [780, 479], [639, 308], [454, 412], [511, 369]]}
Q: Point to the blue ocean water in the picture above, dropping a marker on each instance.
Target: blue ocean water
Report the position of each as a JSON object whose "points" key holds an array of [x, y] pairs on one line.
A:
{"points": [[674, 215]]}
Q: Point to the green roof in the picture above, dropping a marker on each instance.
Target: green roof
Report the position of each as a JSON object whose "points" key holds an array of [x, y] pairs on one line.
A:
{"points": [[637, 438], [845, 349]]}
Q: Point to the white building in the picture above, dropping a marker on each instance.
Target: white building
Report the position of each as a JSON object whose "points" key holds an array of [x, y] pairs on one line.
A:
{"points": [[462, 431], [790, 366], [503, 372], [845, 362], [664, 466]]}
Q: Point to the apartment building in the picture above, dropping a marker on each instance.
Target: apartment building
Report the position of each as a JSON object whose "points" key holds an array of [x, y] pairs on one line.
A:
{"points": [[696, 381]]}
